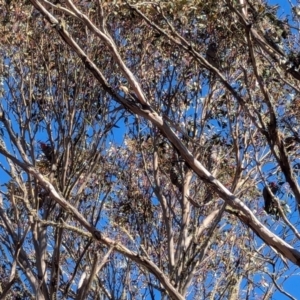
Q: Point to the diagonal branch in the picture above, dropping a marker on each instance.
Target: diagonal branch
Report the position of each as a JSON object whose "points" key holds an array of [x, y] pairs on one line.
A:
{"points": [[96, 234], [243, 212]]}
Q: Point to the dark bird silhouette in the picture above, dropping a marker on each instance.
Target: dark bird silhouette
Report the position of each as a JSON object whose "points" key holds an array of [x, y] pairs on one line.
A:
{"points": [[270, 204], [274, 41], [212, 55], [284, 26], [48, 151], [175, 176]]}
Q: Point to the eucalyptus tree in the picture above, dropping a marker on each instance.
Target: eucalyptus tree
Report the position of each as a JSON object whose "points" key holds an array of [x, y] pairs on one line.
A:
{"points": [[138, 139]]}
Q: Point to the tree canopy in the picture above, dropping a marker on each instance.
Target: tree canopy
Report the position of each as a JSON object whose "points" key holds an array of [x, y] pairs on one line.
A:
{"points": [[149, 149]]}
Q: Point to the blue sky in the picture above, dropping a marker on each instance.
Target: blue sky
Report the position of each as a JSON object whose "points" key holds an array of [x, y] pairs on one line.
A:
{"points": [[291, 283]]}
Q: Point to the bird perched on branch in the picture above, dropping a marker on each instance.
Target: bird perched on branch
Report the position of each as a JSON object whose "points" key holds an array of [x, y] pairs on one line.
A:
{"points": [[270, 204], [175, 176], [48, 151], [212, 55], [274, 40]]}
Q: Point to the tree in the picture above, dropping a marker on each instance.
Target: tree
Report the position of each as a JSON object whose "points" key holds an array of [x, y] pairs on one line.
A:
{"points": [[164, 121]]}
